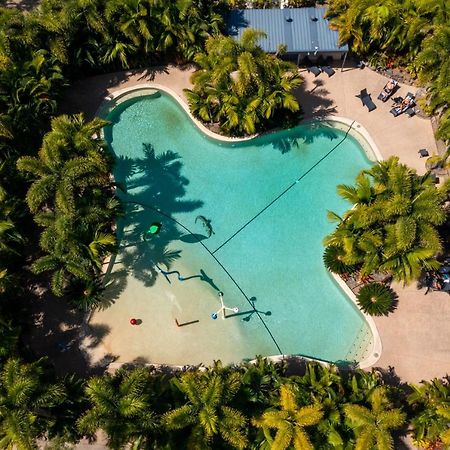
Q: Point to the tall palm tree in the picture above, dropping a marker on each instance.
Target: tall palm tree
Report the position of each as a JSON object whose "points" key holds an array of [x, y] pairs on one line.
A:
{"points": [[207, 412], [260, 382], [28, 95], [324, 386], [73, 201], [133, 20], [121, 407], [289, 422], [372, 426], [70, 160]]}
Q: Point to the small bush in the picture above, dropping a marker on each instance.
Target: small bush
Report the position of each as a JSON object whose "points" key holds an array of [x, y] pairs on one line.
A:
{"points": [[376, 299], [332, 259]]}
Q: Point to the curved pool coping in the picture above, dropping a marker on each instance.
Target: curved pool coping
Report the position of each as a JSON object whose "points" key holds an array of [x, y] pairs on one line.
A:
{"points": [[355, 129]]}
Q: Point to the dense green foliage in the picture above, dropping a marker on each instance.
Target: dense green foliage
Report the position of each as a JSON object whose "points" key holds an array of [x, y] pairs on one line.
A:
{"points": [[56, 212], [414, 34], [392, 227], [333, 258], [243, 88], [252, 406], [71, 197], [376, 299], [108, 34]]}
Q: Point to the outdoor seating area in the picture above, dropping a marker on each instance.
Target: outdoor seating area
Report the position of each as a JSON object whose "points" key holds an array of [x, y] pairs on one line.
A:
{"points": [[400, 106], [316, 71], [403, 105]]}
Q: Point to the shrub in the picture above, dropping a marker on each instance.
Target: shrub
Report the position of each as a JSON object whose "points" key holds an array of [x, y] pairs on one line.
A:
{"points": [[376, 299], [333, 260]]}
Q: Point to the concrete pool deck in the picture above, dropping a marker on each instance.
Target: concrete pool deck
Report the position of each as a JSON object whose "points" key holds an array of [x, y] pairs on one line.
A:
{"points": [[416, 338]]}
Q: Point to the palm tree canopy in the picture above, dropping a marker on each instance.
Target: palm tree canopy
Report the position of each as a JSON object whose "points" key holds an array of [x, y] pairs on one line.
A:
{"points": [[392, 226], [289, 421]]}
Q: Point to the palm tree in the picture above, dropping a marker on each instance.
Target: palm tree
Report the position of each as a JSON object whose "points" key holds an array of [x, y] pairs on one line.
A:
{"points": [[242, 87], [372, 426], [70, 160], [289, 422], [26, 399], [324, 386], [133, 20], [393, 224], [260, 382], [434, 69], [121, 407], [360, 384], [431, 403], [207, 412], [73, 201], [376, 299], [29, 90]]}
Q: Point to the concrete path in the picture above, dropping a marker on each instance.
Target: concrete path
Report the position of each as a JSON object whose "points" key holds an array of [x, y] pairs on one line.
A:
{"points": [[416, 337], [402, 136]]}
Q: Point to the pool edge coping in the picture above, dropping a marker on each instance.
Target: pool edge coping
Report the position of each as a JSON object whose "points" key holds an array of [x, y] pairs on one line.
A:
{"points": [[356, 127]]}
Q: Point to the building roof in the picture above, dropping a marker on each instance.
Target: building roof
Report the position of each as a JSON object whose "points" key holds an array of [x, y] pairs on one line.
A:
{"points": [[300, 29]]}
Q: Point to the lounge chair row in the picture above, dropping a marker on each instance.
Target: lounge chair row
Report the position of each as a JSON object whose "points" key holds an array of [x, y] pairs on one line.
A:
{"points": [[318, 70], [401, 105]]}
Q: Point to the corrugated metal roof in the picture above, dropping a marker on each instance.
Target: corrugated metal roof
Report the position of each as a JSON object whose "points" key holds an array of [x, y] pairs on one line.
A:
{"points": [[293, 27]]}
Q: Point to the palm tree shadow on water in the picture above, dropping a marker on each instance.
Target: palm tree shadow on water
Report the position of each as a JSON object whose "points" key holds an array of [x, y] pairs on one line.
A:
{"points": [[296, 138], [152, 189]]}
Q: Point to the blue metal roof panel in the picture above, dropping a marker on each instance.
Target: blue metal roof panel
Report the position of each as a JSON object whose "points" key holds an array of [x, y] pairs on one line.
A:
{"points": [[293, 27], [328, 38], [301, 30]]}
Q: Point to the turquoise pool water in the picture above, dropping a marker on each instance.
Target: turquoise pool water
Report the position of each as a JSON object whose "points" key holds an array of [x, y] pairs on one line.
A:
{"points": [[265, 252]]}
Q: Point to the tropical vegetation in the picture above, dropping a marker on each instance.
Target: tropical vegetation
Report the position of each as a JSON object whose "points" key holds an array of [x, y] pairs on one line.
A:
{"points": [[241, 87], [410, 34], [72, 198], [376, 299], [392, 226], [57, 208], [248, 406]]}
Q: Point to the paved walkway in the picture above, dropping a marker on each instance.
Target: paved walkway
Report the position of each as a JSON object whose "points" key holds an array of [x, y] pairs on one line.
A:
{"points": [[402, 136], [416, 338]]}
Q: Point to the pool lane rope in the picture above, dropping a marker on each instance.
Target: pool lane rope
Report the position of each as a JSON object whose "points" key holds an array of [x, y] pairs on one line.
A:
{"points": [[285, 191], [168, 216], [212, 253]]}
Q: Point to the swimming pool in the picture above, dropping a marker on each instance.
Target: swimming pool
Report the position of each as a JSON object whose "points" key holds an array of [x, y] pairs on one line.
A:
{"points": [[266, 201]]}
